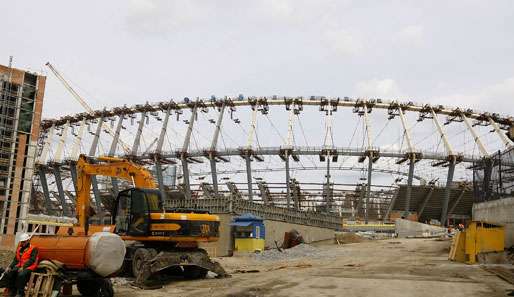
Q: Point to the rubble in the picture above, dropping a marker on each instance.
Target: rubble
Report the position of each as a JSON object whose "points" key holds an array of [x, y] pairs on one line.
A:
{"points": [[300, 251]]}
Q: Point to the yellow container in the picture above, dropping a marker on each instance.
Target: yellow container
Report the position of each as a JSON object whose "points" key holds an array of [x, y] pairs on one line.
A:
{"points": [[249, 244], [479, 237]]}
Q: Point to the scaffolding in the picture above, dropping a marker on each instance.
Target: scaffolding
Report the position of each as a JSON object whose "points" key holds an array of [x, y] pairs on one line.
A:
{"points": [[17, 150]]}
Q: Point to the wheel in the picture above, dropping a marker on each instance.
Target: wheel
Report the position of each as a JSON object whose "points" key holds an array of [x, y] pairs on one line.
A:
{"points": [[96, 288], [194, 272], [87, 287], [105, 288], [140, 256]]}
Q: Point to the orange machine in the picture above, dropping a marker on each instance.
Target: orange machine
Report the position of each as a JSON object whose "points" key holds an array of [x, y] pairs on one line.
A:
{"points": [[161, 238]]}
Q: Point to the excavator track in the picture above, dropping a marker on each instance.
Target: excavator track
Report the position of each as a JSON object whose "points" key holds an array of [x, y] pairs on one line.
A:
{"points": [[194, 262]]}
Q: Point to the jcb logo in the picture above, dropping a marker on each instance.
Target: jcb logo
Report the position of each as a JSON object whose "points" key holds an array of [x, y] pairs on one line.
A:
{"points": [[205, 229]]}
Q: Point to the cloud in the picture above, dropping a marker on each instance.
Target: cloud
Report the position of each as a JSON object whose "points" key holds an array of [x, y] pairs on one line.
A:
{"points": [[158, 16], [413, 35], [342, 42], [383, 88], [497, 97]]}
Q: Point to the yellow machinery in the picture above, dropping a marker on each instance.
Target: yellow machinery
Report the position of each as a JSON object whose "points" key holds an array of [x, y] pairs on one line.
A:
{"points": [[161, 239], [479, 237]]}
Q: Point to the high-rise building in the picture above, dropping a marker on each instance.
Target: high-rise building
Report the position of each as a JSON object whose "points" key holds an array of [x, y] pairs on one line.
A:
{"points": [[21, 103]]}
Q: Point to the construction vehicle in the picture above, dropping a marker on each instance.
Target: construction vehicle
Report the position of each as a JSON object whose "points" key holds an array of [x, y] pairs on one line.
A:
{"points": [[156, 240]]}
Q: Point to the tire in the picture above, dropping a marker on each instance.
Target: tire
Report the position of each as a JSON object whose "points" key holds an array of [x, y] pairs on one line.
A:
{"points": [[96, 288], [87, 287], [105, 288], [140, 255], [194, 272]]}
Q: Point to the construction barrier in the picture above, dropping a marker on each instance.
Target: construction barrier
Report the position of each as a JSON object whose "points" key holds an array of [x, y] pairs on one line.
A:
{"points": [[479, 237]]}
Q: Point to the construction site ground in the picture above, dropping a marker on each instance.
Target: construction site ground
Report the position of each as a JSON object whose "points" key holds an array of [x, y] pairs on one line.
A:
{"points": [[386, 268]]}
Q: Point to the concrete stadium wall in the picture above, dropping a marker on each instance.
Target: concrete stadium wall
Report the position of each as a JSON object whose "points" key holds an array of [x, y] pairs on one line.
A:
{"points": [[274, 232], [499, 212]]}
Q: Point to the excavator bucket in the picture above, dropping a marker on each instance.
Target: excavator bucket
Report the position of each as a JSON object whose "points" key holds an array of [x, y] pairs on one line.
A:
{"points": [[195, 260]]}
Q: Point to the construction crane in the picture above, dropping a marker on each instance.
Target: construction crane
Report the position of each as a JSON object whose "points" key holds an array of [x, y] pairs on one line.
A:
{"points": [[84, 104]]}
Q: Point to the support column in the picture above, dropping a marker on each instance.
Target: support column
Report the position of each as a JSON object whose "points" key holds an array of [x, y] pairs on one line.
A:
{"points": [[249, 176], [500, 133], [185, 176], [158, 152], [46, 192], [92, 152], [137, 138], [421, 209], [112, 152], [447, 192], [214, 145], [73, 173], [408, 193], [185, 150], [288, 180], [214, 174], [60, 190], [368, 190], [75, 151]]}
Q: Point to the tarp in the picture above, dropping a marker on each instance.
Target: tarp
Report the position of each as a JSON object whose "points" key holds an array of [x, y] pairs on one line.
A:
{"points": [[242, 224]]}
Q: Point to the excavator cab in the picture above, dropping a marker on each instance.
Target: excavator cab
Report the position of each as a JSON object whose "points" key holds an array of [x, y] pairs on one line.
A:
{"points": [[132, 211]]}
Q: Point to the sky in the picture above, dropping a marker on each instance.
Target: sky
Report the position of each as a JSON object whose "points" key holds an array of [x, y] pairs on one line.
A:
{"points": [[455, 53], [129, 52]]}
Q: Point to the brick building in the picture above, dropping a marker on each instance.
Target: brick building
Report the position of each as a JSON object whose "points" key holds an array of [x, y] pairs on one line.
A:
{"points": [[21, 103]]}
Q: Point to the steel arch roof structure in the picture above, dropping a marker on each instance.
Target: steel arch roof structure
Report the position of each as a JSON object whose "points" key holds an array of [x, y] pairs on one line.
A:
{"points": [[64, 138]]}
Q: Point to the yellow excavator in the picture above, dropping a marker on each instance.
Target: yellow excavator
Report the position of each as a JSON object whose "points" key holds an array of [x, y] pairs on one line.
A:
{"points": [[157, 240]]}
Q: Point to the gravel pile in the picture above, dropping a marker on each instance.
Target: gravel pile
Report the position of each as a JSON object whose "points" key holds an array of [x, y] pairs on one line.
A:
{"points": [[297, 252]]}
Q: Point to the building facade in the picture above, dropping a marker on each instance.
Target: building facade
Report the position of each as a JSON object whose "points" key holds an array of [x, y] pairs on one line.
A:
{"points": [[21, 103]]}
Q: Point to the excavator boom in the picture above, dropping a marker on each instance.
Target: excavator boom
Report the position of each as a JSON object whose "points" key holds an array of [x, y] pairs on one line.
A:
{"points": [[106, 166]]}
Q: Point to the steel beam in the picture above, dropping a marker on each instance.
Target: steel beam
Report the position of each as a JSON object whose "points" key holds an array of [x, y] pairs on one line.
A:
{"points": [[60, 145], [253, 126], [160, 181], [476, 137], [73, 173], [249, 175], [368, 189], [185, 178], [408, 192], [456, 202], [46, 193], [184, 152], [406, 130], [112, 152], [60, 190], [164, 129], [187, 138], [369, 136], [424, 203], [92, 152], [500, 133], [137, 138], [214, 145], [46, 146], [442, 133], [288, 180], [75, 150], [447, 191]]}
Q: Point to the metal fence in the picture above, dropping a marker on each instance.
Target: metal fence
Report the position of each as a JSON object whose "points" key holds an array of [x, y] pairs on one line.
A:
{"points": [[493, 178], [227, 205]]}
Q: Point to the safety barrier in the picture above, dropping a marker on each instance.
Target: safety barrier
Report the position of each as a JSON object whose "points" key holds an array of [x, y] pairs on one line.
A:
{"points": [[267, 212]]}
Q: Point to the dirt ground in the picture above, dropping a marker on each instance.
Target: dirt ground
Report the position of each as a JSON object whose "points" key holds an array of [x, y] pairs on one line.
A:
{"points": [[385, 268]]}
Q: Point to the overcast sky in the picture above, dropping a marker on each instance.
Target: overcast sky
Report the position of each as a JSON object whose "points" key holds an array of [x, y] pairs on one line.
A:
{"points": [[128, 52], [457, 53]]}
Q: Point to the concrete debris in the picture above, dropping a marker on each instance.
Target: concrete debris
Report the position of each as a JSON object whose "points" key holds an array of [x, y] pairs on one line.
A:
{"points": [[406, 228], [297, 252], [348, 237]]}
